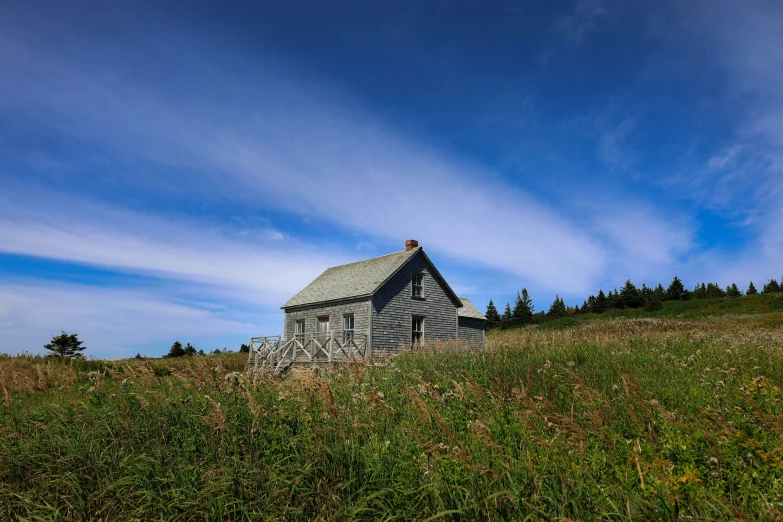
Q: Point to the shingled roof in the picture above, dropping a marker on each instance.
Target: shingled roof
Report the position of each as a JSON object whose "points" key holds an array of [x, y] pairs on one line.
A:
{"points": [[468, 310], [356, 280]]}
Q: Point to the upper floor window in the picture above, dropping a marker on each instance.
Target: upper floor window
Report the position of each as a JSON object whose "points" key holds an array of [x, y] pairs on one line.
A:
{"points": [[417, 286], [348, 327]]}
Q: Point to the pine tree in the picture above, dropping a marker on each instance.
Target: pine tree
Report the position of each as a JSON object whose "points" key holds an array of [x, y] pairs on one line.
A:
{"points": [[733, 291], [201, 352], [714, 291], [591, 304], [751, 289], [659, 292], [771, 287], [492, 315], [557, 309], [65, 345], [601, 303], [613, 299], [523, 309], [176, 350], [676, 290], [189, 350], [630, 297], [244, 348], [505, 319], [653, 302]]}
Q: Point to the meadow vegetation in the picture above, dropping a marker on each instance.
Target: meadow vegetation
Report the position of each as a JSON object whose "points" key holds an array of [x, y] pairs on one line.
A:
{"points": [[659, 417]]}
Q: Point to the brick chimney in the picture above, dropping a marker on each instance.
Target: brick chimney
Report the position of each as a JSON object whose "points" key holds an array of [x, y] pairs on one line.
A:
{"points": [[411, 244]]}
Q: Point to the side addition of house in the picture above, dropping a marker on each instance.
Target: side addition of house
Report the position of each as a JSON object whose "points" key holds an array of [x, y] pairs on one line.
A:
{"points": [[389, 302]]}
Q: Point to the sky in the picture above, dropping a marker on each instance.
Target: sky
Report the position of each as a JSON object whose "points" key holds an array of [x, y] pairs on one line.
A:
{"points": [[176, 171]]}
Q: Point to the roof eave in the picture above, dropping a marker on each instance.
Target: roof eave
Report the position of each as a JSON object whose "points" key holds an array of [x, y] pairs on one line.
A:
{"points": [[327, 302]]}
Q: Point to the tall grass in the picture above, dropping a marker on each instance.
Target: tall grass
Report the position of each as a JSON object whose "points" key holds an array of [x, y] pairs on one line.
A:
{"points": [[645, 418]]}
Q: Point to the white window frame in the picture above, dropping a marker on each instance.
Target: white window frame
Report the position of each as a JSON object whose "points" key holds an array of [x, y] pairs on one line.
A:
{"points": [[299, 336], [417, 336], [419, 286], [349, 327]]}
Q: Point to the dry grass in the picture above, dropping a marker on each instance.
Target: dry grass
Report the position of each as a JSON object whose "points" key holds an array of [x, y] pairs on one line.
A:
{"points": [[621, 419]]}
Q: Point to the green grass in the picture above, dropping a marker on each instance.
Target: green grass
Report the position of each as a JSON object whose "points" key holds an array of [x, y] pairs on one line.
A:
{"points": [[612, 418], [691, 309]]}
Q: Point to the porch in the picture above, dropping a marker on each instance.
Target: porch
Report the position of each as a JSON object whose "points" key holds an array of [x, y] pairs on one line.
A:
{"points": [[276, 354]]}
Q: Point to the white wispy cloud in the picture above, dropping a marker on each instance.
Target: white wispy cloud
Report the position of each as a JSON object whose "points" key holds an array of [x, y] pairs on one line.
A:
{"points": [[109, 321], [307, 151], [743, 178], [254, 265]]}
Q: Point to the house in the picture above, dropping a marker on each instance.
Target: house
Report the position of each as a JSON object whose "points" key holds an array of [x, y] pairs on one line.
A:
{"points": [[386, 302]]}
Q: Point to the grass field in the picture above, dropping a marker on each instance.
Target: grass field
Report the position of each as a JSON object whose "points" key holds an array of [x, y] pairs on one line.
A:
{"points": [[674, 415]]}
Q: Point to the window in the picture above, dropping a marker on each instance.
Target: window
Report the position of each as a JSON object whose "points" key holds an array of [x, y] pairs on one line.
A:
{"points": [[417, 329], [299, 331], [417, 286], [348, 328], [323, 324]]}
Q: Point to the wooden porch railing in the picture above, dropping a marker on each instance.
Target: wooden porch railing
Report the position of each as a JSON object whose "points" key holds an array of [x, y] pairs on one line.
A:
{"points": [[276, 354]]}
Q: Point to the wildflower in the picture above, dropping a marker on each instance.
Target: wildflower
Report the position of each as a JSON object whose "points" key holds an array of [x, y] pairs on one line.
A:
{"points": [[713, 461]]}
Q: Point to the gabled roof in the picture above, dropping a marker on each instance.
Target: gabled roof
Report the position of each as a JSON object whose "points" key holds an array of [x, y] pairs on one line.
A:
{"points": [[468, 310], [357, 280]]}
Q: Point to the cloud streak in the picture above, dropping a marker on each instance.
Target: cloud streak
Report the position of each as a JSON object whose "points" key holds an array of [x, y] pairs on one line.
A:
{"points": [[110, 322], [304, 151]]}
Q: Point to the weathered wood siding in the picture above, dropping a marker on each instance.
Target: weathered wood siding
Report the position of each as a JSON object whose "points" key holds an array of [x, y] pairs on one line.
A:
{"points": [[472, 331], [393, 307], [359, 308]]}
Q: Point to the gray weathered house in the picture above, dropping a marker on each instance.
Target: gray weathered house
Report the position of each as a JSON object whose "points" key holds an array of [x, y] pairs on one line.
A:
{"points": [[385, 302]]}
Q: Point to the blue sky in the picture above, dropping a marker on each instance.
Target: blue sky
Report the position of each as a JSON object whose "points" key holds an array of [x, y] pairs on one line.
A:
{"points": [[176, 172]]}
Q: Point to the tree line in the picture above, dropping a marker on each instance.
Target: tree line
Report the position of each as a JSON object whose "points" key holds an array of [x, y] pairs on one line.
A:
{"points": [[177, 350], [628, 297]]}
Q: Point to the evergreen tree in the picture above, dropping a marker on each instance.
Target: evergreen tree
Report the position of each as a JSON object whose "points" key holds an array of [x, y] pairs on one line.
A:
{"points": [[492, 315], [189, 350], [733, 291], [138, 356], [591, 306], [659, 292], [505, 319], [653, 302], [217, 351], [176, 350], [630, 297], [244, 348], [676, 290], [201, 352], [65, 345], [601, 303], [557, 309], [771, 287], [613, 299], [751, 289], [523, 309], [714, 291], [700, 291]]}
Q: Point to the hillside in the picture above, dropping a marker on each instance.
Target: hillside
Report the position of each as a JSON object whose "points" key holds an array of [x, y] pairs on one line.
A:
{"points": [[674, 414]]}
